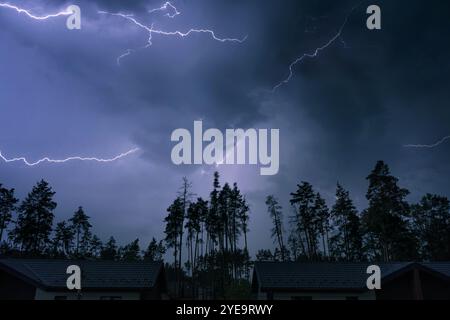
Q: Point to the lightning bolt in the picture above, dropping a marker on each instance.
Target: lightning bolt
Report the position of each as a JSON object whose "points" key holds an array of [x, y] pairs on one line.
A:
{"points": [[151, 30], [165, 7], [32, 16], [428, 146], [29, 14], [123, 55], [168, 7], [46, 159], [315, 53]]}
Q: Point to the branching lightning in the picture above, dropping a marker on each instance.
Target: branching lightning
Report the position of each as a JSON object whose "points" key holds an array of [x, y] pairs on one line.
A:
{"points": [[315, 53], [165, 7], [75, 158], [428, 146], [32, 16], [151, 30], [170, 11]]}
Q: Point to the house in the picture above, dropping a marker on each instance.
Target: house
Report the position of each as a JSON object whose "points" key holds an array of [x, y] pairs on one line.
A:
{"points": [[45, 279], [347, 281]]}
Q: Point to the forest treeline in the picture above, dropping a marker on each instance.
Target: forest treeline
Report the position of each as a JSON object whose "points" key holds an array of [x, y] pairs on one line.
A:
{"points": [[206, 239], [31, 232], [389, 229]]}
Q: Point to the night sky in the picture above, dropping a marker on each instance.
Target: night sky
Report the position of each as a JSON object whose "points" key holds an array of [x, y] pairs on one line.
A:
{"points": [[360, 100]]}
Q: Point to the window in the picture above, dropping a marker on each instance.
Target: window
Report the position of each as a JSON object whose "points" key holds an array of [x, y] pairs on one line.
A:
{"points": [[60, 297], [302, 298]]}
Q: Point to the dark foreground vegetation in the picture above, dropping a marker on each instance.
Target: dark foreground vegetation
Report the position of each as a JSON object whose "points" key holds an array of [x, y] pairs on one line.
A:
{"points": [[208, 238]]}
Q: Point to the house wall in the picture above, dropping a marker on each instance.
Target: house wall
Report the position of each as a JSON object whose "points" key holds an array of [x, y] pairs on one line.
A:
{"points": [[50, 295], [13, 288], [369, 295], [434, 288], [402, 288]]}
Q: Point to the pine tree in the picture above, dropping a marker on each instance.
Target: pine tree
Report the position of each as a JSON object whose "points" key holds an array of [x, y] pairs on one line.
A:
{"points": [[223, 212], [235, 203], [322, 214], [95, 247], [202, 212], [264, 256], [109, 250], [388, 236], [155, 251], [7, 206], [174, 232], [244, 218], [346, 243], [431, 225], [213, 226], [295, 245], [81, 226], [63, 239], [85, 245], [276, 215], [243, 215], [34, 223], [213, 229], [305, 218], [194, 219], [131, 252], [185, 197]]}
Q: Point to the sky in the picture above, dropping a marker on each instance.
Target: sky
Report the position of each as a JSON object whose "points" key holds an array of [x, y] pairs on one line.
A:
{"points": [[360, 100]]}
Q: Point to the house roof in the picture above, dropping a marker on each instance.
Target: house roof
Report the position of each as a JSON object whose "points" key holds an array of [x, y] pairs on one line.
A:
{"points": [[441, 267], [329, 276], [105, 275]]}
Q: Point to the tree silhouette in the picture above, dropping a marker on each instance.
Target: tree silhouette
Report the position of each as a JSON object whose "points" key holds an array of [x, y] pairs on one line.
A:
{"points": [[388, 236], [265, 255], [35, 219], [63, 239], [81, 226], [95, 247], [305, 218], [213, 230], [216, 262], [276, 215], [155, 251], [322, 214], [110, 250], [174, 228], [431, 225], [130, 252], [346, 244], [7, 206]]}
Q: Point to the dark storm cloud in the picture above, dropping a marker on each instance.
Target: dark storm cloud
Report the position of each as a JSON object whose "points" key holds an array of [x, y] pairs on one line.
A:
{"points": [[369, 99], [357, 103]]}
